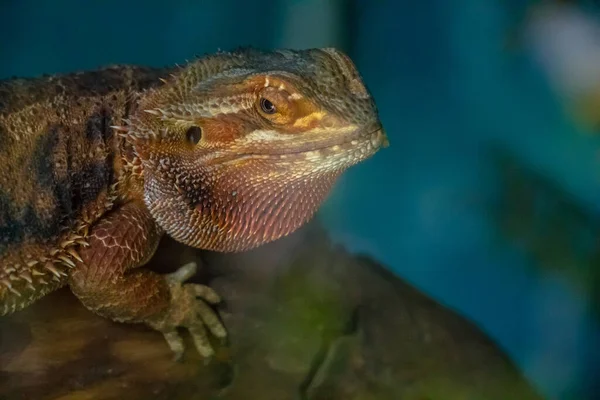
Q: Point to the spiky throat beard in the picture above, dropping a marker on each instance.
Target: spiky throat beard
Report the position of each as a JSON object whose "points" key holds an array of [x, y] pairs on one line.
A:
{"points": [[233, 207]]}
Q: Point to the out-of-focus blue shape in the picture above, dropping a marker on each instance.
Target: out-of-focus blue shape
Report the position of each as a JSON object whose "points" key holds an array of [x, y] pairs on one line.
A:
{"points": [[73, 35]]}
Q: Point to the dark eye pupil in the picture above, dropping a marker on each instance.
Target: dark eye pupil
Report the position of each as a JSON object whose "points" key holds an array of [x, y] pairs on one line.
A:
{"points": [[267, 106], [193, 134]]}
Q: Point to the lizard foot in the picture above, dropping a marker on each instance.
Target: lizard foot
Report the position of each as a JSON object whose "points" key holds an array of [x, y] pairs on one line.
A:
{"points": [[188, 309]]}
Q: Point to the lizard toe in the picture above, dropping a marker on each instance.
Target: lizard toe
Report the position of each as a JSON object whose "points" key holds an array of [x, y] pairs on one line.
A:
{"points": [[183, 273], [175, 344], [190, 309], [206, 293], [210, 319], [201, 341]]}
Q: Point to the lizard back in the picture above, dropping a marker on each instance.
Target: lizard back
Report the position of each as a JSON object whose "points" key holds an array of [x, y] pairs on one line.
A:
{"points": [[59, 159]]}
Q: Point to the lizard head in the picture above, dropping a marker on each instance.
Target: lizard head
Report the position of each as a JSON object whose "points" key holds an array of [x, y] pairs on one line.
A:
{"points": [[239, 149]]}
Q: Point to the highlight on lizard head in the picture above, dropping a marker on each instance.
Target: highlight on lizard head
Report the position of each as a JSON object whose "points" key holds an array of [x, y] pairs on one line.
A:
{"points": [[241, 148]]}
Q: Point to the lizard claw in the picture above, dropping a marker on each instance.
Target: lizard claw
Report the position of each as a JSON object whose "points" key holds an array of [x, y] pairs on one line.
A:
{"points": [[188, 309]]}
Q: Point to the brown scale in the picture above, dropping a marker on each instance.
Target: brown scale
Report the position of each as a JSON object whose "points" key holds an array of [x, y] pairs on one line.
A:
{"points": [[57, 170]]}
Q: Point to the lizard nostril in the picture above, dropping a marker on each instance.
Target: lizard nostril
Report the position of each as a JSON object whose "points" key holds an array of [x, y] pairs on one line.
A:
{"points": [[193, 134]]}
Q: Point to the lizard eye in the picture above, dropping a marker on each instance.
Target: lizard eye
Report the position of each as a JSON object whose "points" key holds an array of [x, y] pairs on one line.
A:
{"points": [[193, 134], [267, 106], [275, 104]]}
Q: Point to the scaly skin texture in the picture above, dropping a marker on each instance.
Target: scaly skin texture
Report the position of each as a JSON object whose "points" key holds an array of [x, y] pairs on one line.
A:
{"points": [[227, 153]]}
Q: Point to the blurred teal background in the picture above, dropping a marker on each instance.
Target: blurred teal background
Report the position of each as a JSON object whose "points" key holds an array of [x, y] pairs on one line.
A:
{"points": [[485, 166]]}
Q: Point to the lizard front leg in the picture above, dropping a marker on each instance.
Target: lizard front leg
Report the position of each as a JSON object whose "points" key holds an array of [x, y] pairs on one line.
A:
{"points": [[108, 283]]}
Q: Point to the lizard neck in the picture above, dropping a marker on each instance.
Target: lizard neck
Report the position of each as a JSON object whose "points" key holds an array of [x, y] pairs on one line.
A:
{"points": [[130, 184], [128, 169]]}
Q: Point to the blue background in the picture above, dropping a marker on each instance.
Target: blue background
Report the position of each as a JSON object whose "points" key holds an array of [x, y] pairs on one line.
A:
{"points": [[446, 88]]}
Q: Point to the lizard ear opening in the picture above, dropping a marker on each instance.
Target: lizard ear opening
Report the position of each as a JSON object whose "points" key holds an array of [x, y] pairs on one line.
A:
{"points": [[193, 134]]}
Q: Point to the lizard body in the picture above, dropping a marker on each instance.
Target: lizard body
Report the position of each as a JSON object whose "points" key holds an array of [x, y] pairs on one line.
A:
{"points": [[229, 152]]}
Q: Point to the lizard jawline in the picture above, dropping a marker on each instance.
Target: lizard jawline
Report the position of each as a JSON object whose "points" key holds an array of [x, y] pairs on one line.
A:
{"points": [[366, 143]]}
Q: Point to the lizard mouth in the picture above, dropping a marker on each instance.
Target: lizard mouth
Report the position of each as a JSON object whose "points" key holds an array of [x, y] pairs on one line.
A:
{"points": [[355, 147]]}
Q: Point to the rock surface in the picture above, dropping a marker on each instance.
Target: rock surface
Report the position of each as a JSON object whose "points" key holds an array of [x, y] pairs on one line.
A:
{"points": [[307, 320]]}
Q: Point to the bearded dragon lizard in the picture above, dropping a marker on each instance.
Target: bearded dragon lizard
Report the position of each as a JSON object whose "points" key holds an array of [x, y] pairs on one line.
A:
{"points": [[226, 153]]}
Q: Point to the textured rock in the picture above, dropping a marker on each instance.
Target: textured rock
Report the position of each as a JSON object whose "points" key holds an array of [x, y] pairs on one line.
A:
{"points": [[307, 320]]}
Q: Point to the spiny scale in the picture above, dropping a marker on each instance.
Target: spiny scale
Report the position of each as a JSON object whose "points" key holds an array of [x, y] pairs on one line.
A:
{"points": [[51, 269], [33, 272]]}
